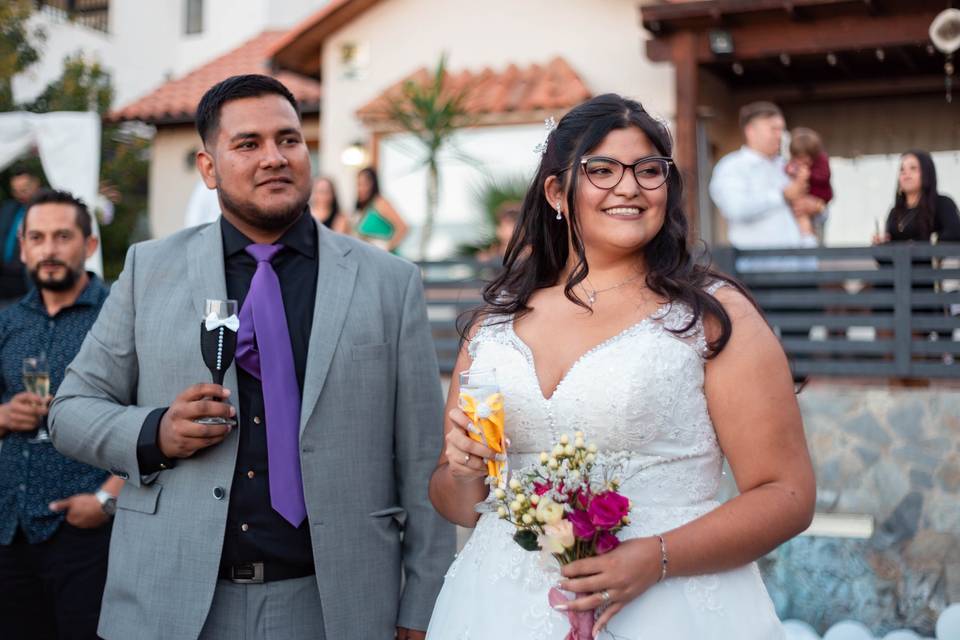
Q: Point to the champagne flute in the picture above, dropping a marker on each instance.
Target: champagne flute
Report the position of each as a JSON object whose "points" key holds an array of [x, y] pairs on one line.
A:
{"points": [[481, 400], [36, 380], [218, 344]]}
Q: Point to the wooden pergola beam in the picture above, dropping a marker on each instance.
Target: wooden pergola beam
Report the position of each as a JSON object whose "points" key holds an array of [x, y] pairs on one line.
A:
{"points": [[842, 33]]}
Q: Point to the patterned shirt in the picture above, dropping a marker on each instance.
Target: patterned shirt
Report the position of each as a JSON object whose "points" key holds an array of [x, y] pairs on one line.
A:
{"points": [[32, 475]]}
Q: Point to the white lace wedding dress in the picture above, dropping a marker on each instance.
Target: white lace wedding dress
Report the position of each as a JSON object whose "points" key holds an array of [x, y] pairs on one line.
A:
{"points": [[639, 396]]}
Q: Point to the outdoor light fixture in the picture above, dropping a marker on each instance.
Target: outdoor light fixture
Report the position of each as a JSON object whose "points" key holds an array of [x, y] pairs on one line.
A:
{"points": [[737, 68], [354, 155], [785, 59], [721, 42], [832, 59], [880, 55]]}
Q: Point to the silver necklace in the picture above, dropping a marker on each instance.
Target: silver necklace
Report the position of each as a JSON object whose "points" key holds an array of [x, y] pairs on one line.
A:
{"points": [[592, 293]]}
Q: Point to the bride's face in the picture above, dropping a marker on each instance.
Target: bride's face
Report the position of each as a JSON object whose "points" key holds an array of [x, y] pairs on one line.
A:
{"points": [[624, 218]]}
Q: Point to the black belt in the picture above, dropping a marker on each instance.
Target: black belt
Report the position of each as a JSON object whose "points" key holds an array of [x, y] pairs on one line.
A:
{"points": [[258, 572]]}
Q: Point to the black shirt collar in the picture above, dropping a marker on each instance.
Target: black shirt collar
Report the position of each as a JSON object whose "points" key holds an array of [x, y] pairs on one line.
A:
{"points": [[301, 237], [90, 296]]}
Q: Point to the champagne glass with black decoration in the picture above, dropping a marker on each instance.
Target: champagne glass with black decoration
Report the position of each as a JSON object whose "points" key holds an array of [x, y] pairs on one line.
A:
{"points": [[218, 344]]}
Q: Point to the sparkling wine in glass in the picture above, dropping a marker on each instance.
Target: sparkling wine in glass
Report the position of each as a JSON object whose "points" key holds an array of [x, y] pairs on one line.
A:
{"points": [[36, 379], [481, 400], [218, 344]]}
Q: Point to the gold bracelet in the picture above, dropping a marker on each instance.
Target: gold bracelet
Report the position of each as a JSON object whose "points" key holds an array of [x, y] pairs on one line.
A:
{"points": [[663, 558]]}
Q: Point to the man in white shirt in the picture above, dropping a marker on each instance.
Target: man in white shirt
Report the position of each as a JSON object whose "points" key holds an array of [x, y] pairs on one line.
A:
{"points": [[753, 192]]}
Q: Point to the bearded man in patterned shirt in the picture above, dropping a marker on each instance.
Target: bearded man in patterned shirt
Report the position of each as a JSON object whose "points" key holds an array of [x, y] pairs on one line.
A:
{"points": [[54, 511]]}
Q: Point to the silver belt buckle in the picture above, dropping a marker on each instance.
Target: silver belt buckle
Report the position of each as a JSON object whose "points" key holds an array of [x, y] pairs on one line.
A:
{"points": [[248, 573]]}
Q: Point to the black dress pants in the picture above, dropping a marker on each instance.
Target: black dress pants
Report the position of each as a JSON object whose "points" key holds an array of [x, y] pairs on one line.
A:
{"points": [[52, 590]]}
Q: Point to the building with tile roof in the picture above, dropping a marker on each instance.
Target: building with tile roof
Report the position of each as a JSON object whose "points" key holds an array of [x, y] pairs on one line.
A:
{"points": [[527, 61]]}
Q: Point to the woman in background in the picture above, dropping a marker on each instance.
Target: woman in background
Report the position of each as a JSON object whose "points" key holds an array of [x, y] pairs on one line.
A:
{"points": [[377, 221], [325, 206], [919, 210]]}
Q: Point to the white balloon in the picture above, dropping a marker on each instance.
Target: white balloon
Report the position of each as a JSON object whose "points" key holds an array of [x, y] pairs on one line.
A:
{"points": [[901, 634], [848, 630], [799, 630], [948, 626]]}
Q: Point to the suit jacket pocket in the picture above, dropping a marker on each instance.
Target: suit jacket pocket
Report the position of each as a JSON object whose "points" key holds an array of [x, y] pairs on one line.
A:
{"points": [[369, 351], [143, 499]]}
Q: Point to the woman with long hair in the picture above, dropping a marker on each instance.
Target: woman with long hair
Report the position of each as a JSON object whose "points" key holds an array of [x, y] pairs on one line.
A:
{"points": [[919, 210], [325, 206], [603, 322], [376, 220]]}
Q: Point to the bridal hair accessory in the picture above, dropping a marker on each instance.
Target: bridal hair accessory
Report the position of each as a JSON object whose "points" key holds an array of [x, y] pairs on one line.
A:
{"points": [[549, 124], [559, 210], [567, 506]]}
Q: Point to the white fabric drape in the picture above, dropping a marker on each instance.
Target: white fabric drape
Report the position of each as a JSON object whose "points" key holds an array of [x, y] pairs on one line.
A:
{"points": [[68, 143]]}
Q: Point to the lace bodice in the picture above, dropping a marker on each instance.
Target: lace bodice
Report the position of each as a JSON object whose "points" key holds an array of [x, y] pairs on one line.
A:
{"points": [[638, 395]]}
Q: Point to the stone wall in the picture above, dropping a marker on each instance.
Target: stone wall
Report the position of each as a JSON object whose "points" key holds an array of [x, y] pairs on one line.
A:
{"points": [[894, 454]]}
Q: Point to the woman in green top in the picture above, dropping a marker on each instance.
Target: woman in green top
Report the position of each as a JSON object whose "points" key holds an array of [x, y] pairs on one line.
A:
{"points": [[377, 221]]}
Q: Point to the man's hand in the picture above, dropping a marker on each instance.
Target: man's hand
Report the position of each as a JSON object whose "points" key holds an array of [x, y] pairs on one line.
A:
{"points": [[410, 634], [83, 511], [23, 412], [179, 436]]}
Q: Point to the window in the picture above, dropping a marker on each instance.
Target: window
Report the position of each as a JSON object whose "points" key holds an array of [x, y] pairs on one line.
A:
{"points": [[194, 17]]}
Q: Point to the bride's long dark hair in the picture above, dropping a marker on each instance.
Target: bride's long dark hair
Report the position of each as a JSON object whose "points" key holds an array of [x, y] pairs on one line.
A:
{"points": [[539, 250]]}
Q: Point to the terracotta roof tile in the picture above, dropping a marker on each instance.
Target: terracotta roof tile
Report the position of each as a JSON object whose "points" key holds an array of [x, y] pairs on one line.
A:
{"points": [[176, 101], [529, 90]]}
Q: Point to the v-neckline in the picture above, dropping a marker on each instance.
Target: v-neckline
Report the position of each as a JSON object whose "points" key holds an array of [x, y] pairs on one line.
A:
{"points": [[658, 313]]}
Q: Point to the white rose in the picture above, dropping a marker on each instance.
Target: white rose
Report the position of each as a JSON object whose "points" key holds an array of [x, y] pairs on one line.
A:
{"points": [[549, 511]]}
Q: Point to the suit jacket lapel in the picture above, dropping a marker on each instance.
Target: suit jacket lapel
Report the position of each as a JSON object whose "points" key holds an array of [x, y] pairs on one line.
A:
{"points": [[205, 267], [205, 271], [336, 276]]}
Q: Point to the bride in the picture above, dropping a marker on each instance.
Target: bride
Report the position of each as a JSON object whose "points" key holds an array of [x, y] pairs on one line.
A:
{"points": [[603, 323]]}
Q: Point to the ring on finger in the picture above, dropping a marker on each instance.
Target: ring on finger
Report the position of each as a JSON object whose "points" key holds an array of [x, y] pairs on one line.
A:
{"points": [[466, 458], [604, 597]]}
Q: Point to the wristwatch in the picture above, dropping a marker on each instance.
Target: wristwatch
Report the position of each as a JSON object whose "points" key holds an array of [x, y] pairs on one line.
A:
{"points": [[108, 502]]}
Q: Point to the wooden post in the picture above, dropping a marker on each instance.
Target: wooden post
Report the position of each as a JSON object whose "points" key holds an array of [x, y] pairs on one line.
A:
{"points": [[685, 152]]}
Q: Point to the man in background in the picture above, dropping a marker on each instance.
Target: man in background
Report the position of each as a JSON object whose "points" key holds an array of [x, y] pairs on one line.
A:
{"points": [[54, 511], [13, 277]]}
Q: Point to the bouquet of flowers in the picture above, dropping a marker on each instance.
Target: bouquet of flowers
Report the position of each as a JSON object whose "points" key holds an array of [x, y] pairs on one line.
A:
{"points": [[566, 506]]}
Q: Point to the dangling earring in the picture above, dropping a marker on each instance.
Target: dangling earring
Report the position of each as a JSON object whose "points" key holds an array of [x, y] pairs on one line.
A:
{"points": [[559, 210]]}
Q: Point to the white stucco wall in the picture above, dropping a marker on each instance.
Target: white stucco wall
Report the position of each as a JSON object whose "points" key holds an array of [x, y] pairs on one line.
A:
{"points": [[171, 179], [601, 39], [147, 44], [63, 39]]}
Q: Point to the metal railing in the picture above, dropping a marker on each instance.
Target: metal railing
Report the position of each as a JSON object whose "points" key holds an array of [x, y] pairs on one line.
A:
{"points": [[94, 14], [885, 311]]}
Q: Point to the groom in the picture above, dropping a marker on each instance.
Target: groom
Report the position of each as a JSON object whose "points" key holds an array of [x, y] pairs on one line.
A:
{"points": [[289, 524]]}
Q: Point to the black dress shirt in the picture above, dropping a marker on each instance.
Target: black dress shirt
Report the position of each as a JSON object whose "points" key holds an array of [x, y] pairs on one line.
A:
{"points": [[255, 532]]}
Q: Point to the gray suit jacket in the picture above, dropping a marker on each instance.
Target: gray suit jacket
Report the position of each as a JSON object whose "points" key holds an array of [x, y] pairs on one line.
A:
{"points": [[369, 439]]}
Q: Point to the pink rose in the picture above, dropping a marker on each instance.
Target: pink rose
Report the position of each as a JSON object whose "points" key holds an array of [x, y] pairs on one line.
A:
{"points": [[606, 542], [607, 509], [541, 488], [582, 527]]}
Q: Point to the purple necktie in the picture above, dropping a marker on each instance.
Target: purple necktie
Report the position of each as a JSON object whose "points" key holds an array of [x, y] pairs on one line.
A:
{"points": [[269, 358]]}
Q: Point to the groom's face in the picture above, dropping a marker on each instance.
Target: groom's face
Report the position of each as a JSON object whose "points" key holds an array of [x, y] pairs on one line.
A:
{"points": [[258, 162]]}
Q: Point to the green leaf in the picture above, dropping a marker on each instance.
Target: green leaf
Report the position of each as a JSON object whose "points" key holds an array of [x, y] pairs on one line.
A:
{"points": [[526, 539]]}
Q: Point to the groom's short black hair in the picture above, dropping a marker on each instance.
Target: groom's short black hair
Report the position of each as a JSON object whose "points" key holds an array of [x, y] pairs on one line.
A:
{"points": [[251, 85]]}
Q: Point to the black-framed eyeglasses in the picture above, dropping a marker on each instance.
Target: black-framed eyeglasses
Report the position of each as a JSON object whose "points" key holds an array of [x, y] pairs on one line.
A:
{"points": [[606, 173]]}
